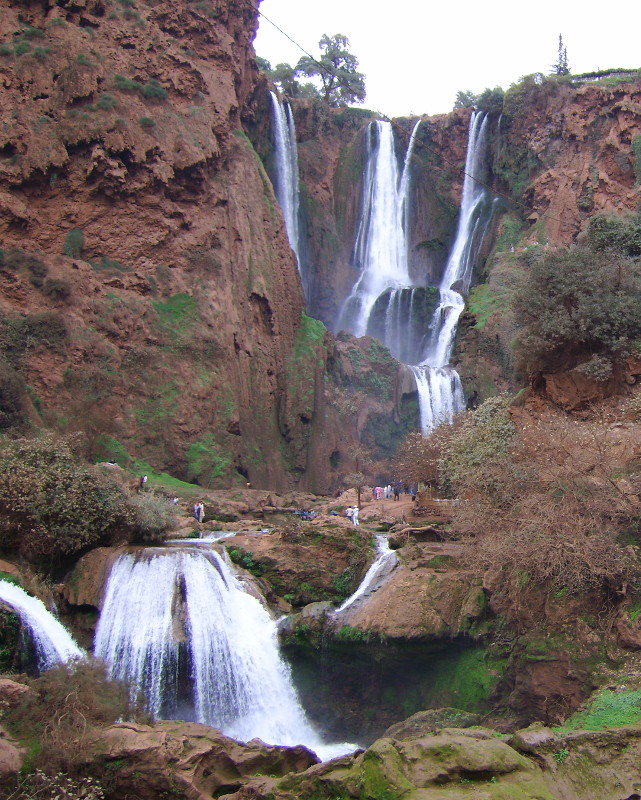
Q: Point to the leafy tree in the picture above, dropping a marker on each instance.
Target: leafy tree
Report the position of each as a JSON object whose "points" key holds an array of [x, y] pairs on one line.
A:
{"points": [[561, 66], [336, 67], [466, 99]]}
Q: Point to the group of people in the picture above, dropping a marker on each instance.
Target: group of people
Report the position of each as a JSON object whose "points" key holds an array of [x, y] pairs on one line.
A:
{"points": [[386, 492]]}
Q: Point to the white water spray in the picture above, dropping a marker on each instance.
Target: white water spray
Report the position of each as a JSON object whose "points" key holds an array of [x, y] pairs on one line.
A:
{"points": [[386, 560], [180, 627], [54, 644], [286, 153]]}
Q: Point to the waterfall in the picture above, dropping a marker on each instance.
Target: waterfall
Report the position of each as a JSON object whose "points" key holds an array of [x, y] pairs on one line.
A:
{"points": [[439, 386], [384, 563], [182, 629], [286, 154], [54, 644], [380, 250]]}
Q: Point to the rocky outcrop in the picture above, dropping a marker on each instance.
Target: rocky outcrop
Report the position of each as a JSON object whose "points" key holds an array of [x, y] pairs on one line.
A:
{"points": [[188, 759], [534, 764]]}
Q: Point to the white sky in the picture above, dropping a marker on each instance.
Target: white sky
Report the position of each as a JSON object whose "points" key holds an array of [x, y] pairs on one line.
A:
{"points": [[417, 54]]}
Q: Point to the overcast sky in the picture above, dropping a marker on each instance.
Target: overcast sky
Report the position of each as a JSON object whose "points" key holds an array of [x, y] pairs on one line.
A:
{"points": [[417, 54]]}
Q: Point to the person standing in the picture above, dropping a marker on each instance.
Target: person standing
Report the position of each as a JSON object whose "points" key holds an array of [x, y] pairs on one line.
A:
{"points": [[201, 512], [355, 515]]}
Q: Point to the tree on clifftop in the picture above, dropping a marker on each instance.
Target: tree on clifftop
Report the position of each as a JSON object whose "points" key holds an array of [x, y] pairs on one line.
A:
{"points": [[561, 67], [336, 67]]}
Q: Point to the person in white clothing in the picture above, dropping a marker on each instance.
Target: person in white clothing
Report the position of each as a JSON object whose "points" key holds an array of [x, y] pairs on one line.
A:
{"points": [[355, 515]]}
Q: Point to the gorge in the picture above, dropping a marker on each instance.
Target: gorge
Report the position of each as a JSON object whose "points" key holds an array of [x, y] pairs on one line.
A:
{"points": [[257, 301]]}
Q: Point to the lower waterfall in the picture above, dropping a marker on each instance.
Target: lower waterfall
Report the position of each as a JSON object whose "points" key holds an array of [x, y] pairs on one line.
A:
{"points": [[184, 631], [54, 644]]}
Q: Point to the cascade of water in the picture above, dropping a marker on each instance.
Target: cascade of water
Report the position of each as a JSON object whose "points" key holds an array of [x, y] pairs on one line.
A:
{"points": [[286, 153], [384, 563], [439, 386], [54, 644], [175, 614], [380, 251]]}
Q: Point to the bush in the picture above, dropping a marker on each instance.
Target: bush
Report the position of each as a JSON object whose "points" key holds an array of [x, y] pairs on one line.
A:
{"points": [[620, 234], [547, 513], [576, 303], [74, 243], [63, 706], [153, 90], [480, 438], [57, 289], [52, 504], [152, 518], [147, 123], [106, 102]]}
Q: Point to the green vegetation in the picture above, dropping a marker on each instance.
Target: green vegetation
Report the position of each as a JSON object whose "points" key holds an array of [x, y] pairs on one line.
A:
{"points": [[607, 709], [74, 243], [581, 301], [177, 316], [151, 91], [246, 560], [147, 123], [206, 461], [54, 505], [335, 67], [484, 436]]}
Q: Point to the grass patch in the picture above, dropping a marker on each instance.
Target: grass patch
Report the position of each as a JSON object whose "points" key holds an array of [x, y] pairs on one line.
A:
{"points": [[608, 709]]}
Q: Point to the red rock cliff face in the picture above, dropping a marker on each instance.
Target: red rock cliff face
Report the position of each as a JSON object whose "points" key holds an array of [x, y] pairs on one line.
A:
{"points": [[178, 304], [567, 152]]}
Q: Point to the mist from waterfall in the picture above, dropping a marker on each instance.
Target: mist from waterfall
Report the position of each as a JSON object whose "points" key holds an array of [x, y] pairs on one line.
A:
{"points": [[383, 302], [53, 642], [180, 627], [286, 162]]}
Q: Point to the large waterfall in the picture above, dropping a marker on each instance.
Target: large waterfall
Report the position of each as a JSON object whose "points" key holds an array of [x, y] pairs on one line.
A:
{"points": [[54, 644], [383, 301], [286, 163], [180, 627], [380, 251]]}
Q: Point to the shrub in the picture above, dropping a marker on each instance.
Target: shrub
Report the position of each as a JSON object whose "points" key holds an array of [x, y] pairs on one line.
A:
{"points": [[621, 234], [38, 785], [83, 59], [33, 33], [57, 289], [574, 303], [53, 505], [152, 518], [106, 102], [147, 123], [482, 437], [63, 706], [546, 515], [5, 50], [21, 48], [153, 90], [74, 243]]}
